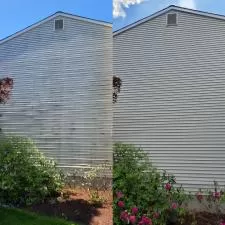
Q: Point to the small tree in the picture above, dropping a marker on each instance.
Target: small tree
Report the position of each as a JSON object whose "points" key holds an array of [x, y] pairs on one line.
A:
{"points": [[117, 83], [6, 85]]}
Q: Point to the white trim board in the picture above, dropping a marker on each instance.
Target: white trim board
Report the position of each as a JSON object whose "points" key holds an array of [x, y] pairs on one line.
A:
{"points": [[163, 11], [52, 17]]}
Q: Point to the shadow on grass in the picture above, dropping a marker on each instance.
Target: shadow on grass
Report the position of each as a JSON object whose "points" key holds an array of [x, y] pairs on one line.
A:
{"points": [[79, 210]]}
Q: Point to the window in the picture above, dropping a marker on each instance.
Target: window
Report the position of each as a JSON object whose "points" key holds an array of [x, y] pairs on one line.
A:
{"points": [[59, 24], [171, 19]]}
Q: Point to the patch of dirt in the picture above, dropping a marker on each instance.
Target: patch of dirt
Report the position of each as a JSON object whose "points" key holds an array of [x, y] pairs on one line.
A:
{"points": [[76, 206], [203, 218]]}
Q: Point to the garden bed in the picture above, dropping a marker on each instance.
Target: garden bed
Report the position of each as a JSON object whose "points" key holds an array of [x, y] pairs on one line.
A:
{"points": [[202, 218], [77, 207]]}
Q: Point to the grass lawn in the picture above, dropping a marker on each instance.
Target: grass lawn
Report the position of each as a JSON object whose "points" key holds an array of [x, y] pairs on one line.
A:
{"points": [[19, 217]]}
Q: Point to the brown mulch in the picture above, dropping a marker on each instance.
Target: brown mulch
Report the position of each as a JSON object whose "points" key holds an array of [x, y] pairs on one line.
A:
{"points": [[203, 218], [77, 207]]}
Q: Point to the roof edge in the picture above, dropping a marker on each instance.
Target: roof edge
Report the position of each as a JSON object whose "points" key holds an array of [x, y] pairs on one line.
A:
{"points": [[165, 10], [59, 13], [82, 18]]}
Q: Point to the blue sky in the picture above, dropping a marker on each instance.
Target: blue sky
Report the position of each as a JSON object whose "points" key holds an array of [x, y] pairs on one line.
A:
{"points": [[148, 7], [18, 14]]}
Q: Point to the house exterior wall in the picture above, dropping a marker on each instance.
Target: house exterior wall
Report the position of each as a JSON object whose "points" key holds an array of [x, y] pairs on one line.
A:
{"points": [[172, 102], [62, 95]]}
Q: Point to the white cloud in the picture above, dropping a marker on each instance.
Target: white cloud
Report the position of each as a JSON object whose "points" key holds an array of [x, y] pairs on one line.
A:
{"points": [[191, 4], [119, 5]]}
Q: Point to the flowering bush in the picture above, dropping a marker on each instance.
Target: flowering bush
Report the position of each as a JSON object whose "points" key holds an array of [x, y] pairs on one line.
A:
{"points": [[117, 83], [26, 176], [6, 85], [142, 195], [133, 215]]}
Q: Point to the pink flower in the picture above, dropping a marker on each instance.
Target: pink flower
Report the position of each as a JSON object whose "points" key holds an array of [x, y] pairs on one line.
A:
{"points": [[156, 215], [121, 204], [174, 205], [199, 196], [145, 221], [216, 195], [119, 194], [222, 223], [132, 219], [168, 186], [124, 216], [134, 210]]}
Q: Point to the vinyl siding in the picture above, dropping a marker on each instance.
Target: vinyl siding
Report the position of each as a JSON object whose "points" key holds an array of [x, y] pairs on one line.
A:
{"points": [[62, 97], [172, 102]]}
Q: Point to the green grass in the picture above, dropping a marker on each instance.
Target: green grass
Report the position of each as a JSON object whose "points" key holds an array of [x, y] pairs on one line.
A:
{"points": [[19, 217]]}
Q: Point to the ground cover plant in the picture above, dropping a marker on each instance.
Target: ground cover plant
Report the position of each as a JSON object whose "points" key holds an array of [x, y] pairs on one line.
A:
{"points": [[19, 217]]}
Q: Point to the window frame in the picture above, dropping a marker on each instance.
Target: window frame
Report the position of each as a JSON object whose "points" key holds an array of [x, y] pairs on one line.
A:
{"points": [[55, 25], [167, 15]]}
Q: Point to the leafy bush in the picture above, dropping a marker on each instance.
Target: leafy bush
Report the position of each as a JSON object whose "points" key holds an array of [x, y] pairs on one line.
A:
{"points": [[141, 194], [26, 176]]}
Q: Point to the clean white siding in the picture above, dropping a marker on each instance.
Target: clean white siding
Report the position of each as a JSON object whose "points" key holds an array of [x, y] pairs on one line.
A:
{"points": [[62, 97], [172, 102]]}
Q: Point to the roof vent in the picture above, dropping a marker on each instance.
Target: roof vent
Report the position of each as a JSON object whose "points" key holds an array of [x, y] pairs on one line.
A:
{"points": [[59, 24], [171, 19]]}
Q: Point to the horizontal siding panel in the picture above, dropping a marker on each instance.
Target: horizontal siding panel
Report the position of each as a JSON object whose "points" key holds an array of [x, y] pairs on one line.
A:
{"points": [[62, 97], [172, 101]]}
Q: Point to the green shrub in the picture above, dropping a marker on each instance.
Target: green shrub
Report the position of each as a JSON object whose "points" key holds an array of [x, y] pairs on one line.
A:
{"points": [[139, 187], [26, 176]]}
